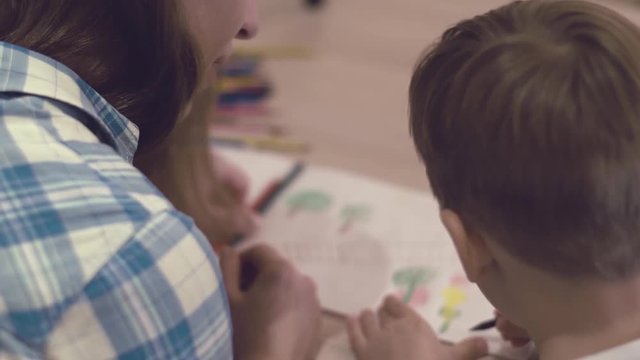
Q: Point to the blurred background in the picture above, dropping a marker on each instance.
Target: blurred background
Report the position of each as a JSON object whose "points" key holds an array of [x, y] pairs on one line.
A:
{"points": [[330, 82]]}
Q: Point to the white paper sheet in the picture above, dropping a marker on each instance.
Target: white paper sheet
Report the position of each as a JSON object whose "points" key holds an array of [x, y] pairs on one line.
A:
{"points": [[361, 239]]}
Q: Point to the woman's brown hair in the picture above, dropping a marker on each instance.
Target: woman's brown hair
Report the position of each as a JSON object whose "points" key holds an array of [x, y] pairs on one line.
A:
{"points": [[137, 54], [528, 120], [140, 56]]}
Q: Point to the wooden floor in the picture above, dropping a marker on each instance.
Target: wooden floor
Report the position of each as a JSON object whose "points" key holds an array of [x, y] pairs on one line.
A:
{"points": [[349, 101]]}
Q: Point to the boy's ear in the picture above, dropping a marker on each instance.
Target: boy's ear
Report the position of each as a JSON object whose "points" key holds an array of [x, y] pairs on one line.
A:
{"points": [[472, 249]]}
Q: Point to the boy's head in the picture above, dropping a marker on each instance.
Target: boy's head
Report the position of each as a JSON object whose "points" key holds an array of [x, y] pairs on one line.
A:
{"points": [[528, 121]]}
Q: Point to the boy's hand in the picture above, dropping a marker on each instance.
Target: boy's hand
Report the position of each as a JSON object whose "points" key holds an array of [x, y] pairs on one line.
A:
{"points": [[274, 308], [516, 335], [397, 332]]}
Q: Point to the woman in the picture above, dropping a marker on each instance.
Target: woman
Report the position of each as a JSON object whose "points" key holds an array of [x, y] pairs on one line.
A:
{"points": [[94, 261]]}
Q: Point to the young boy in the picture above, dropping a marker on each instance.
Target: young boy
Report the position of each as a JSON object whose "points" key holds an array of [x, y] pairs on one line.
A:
{"points": [[528, 121]]}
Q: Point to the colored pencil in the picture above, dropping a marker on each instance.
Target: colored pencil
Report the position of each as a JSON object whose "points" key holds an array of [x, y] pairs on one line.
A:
{"points": [[270, 143], [273, 192], [485, 325]]}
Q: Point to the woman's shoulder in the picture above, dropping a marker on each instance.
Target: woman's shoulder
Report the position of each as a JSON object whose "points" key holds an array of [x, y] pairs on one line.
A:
{"points": [[71, 208], [51, 157], [59, 181]]}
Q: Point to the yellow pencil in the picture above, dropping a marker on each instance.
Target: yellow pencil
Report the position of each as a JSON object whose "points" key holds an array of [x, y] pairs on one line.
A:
{"points": [[262, 143]]}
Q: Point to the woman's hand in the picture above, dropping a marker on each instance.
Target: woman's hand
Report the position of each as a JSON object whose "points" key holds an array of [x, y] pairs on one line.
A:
{"points": [[203, 185], [275, 309], [236, 183]]}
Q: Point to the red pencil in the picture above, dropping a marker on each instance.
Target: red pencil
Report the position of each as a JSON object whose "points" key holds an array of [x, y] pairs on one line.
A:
{"points": [[266, 199], [265, 195]]}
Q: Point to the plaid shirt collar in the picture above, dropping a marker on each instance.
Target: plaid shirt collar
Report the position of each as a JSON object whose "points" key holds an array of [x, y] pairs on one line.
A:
{"points": [[27, 72]]}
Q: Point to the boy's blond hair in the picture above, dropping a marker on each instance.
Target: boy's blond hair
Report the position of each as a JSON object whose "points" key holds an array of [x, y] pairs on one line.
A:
{"points": [[528, 121]]}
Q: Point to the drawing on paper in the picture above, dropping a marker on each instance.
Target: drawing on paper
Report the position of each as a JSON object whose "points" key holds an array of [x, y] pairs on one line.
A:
{"points": [[412, 283], [308, 200], [459, 280], [351, 214], [454, 296]]}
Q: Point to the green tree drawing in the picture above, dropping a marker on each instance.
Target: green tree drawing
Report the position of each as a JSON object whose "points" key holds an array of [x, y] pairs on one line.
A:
{"points": [[308, 200], [353, 213], [411, 278]]}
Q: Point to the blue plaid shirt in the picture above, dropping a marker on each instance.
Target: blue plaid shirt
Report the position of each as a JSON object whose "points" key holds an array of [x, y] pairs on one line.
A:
{"points": [[94, 262]]}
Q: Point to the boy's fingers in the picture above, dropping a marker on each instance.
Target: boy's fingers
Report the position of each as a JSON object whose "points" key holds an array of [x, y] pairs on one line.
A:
{"points": [[384, 318], [230, 266], [356, 337], [394, 307], [470, 349], [369, 323]]}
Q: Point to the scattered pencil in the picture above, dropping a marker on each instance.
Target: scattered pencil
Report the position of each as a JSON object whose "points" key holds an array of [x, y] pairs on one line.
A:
{"points": [[247, 129], [278, 144], [242, 117], [241, 110]]}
